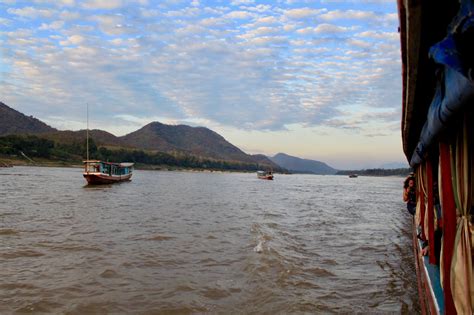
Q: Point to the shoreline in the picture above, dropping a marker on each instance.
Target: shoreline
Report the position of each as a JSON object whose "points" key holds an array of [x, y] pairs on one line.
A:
{"points": [[7, 162]]}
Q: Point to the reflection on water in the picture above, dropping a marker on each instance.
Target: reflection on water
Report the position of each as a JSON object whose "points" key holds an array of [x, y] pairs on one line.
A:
{"points": [[183, 242]]}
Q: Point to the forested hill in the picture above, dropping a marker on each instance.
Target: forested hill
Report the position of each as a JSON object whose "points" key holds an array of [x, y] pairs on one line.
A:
{"points": [[14, 122], [155, 143], [41, 149], [198, 141]]}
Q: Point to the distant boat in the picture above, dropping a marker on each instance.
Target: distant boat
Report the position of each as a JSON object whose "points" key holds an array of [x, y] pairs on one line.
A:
{"points": [[353, 176], [99, 172], [265, 175]]}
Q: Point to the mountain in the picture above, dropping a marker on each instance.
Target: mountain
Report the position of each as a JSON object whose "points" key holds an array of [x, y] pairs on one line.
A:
{"points": [[298, 165], [263, 159], [198, 141], [14, 122]]}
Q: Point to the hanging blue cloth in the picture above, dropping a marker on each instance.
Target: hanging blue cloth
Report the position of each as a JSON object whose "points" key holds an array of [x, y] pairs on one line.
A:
{"points": [[455, 76]]}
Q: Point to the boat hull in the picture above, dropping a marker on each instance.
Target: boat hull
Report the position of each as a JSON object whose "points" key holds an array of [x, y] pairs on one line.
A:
{"points": [[101, 179], [268, 177], [429, 287]]}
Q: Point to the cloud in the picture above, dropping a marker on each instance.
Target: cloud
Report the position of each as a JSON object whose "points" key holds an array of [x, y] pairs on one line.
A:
{"points": [[102, 4], [239, 15], [357, 1], [324, 29], [302, 13], [113, 24], [187, 12], [31, 12], [385, 116], [263, 30], [52, 26], [348, 15], [267, 20], [379, 35], [260, 8], [378, 134], [240, 2], [359, 43], [58, 3], [73, 40], [245, 65], [212, 21], [69, 15], [5, 22]]}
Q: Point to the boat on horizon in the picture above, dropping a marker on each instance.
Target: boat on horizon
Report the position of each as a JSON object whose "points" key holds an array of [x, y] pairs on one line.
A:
{"points": [[438, 141], [99, 172], [268, 175], [353, 175]]}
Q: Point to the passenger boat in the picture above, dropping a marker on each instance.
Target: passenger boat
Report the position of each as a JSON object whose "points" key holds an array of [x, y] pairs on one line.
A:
{"points": [[438, 140], [99, 172], [265, 175]]}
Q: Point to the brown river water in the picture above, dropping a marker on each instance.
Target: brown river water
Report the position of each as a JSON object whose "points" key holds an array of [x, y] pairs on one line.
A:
{"points": [[189, 242]]}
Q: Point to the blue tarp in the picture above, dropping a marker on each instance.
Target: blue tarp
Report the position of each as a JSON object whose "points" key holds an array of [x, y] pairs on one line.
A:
{"points": [[455, 88]]}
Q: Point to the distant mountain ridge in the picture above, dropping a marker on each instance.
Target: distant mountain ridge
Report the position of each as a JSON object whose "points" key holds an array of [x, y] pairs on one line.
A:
{"points": [[14, 122], [157, 137], [299, 165]]}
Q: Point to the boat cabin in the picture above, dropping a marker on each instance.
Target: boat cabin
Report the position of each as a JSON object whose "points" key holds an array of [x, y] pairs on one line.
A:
{"points": [[109, 168]]}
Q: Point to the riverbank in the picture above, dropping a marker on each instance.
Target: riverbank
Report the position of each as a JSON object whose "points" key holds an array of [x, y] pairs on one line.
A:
{"points": [[41, 162], [377, 172], [13, 161]]}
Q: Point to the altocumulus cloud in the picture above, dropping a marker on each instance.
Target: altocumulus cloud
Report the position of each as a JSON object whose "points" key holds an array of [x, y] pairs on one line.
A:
{"points": [[248, 64]]}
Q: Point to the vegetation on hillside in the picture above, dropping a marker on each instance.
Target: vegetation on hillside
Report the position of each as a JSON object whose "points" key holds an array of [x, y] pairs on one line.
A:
{"points": [[75, 152], [180, 145], [378, 172]]}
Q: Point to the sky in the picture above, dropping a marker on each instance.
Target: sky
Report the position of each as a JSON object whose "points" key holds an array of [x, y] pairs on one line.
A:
{"points": [[313, 79]]}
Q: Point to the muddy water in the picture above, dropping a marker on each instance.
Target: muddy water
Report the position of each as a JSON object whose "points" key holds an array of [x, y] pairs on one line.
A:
{"points": [[183, 242]]}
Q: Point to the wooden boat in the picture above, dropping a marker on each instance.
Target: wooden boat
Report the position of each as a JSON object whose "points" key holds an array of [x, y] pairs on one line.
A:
{"points": [[265, 175], [99, 172], [438, 141]]}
